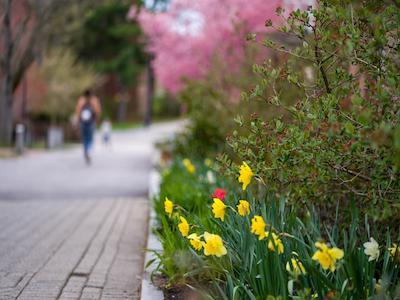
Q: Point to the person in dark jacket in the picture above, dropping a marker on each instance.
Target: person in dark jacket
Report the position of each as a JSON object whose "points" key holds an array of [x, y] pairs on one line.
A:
{"points": [[87, 112]]}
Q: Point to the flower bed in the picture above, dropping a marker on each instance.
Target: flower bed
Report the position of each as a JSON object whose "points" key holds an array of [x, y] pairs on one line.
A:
{"points": [[226, 241], [306, 201]]}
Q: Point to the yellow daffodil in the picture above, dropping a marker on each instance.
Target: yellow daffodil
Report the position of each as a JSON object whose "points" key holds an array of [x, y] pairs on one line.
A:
{"points": [[395, 251], [243, 208], [326, 256], [371, 249], [218, 209], [208, 162], [213, 245], [168, 206], [296, 267], [245, 175], [183, 226], [378, 287], [195, 241], [189, 166], [275, 243], [258, 227]]}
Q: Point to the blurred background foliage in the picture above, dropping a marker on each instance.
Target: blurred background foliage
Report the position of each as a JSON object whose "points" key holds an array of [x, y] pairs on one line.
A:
{"points": [[65, 78], [320, 120], [60, 48], [110, 43]]}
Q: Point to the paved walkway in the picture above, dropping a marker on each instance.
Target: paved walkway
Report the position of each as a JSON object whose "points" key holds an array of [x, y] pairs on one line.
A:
{"points": [[68, 231]]}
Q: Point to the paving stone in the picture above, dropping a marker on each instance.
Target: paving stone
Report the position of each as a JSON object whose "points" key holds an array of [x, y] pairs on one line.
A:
{"points": [[73, 288], [56, 271], [99, 274], [124, 278], [97, 246], [91, 293], [75, 232], [11, 280]]}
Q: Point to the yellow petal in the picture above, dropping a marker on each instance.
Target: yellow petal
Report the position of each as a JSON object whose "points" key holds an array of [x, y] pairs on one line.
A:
{"points": [[336, 253], [321, 246], [207, 236]]}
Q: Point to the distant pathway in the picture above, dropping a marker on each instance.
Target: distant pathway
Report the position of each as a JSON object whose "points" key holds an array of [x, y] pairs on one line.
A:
{"points": [[68, 231]]}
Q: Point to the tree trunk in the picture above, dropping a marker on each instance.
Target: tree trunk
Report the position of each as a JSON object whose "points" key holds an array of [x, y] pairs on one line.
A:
{"points": [[6, 97], [123, 102], [122, 107], [5, 118]]}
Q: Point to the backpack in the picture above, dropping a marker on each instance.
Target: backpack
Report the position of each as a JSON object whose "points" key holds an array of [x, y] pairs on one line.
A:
{"points": [[87, 114]]}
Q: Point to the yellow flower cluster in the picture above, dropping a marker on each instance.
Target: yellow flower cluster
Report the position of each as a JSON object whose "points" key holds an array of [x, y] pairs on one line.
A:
{"points": [[189, 166], [258, 228], [212, 244]]}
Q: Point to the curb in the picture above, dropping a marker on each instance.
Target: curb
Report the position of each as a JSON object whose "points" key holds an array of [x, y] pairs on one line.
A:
{"points": [[148, 290]]}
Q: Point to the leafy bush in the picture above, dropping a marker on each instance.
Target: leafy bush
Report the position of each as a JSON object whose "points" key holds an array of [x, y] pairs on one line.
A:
{"points": [[165, 105], [212, 104], [323, 219], [341, 142]]}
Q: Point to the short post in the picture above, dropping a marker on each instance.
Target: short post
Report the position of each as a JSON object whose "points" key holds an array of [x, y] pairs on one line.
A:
{"points": [[20, 138]]}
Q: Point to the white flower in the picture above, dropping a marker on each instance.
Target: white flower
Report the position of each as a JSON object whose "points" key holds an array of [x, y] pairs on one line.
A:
{"points": [[210, 177], [372, 249]]}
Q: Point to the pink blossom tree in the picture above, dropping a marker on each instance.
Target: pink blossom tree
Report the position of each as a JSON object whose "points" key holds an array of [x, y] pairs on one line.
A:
{"points": [[189, 37]]}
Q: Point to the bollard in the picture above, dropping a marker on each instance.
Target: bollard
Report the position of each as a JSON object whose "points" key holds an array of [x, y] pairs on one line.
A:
{"points": [[19, 138]]}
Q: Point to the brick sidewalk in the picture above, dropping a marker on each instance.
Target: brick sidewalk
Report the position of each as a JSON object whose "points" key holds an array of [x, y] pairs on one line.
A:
{"points": [[87, 249]]}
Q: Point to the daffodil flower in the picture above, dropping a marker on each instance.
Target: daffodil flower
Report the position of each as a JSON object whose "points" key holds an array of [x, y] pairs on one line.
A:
{"points": [[168, 206], [327, 257], [218, 209], [295, 267], [394, 251], [195, 241], [213, 245], [258, 227], [183, 226], [372, 249], [189, 166], [245, 175], [275, 244], [243, 208]]}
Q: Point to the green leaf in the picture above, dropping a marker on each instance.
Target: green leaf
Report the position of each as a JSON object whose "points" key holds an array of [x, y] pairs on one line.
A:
{"points": [[349, 128]]}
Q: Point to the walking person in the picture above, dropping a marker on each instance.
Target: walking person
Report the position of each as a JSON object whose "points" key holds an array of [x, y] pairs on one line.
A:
{"points": [[88, 111], [106, 128]]}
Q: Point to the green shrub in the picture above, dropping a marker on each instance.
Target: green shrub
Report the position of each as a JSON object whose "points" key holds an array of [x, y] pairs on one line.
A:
{"points": [[213, 103], [341, 142]]}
